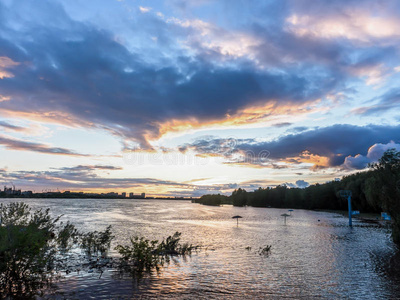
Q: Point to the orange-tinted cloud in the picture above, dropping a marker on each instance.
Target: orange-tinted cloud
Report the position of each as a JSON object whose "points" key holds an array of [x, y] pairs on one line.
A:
{"points": [[269, 114], [317, 161], [6, 63], [359, 25]]}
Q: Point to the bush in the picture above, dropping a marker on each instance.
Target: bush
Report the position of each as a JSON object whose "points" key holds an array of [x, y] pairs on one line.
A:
{"points": [[143, 255], [27, 253], [140, 256], [97, 243], [32, 248]]}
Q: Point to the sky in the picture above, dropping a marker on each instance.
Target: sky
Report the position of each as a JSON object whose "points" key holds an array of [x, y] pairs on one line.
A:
{"points": [[185, 98]]}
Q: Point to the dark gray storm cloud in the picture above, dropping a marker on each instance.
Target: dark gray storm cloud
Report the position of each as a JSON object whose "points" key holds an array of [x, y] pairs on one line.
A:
{"points": [[72, 67], [335, 142]]}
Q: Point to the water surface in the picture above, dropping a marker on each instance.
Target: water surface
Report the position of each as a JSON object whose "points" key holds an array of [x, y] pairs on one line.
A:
{"points": [[314, 256]]}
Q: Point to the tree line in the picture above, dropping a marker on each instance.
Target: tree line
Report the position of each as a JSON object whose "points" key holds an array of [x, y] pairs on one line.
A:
{"points": [[374, 190]]}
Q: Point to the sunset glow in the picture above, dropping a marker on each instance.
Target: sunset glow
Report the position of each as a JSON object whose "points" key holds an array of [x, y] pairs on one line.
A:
{"points": [[184, 98]]}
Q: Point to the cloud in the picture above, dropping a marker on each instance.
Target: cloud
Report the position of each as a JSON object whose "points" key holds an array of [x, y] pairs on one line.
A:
{"points": [[144, 9], [199, 73], [360, 21], [29, 130], [6, 63], [15, 144], [12, 127], [3, 98], [322, 147], [217, 43], [299, 184], [198, 191], [299, 129], [91, 78], [302, 184], [80, 177], [283, 124], [87, 177], [357, 162], [360, 26], [386, 102], [375, 152], [91, 167]]}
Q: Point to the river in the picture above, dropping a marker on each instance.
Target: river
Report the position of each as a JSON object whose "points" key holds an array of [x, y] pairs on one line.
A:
{"points": [[316, 255]]}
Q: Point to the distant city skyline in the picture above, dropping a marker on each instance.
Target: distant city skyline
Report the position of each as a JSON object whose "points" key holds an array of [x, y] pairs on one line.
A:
{"points": [[185, 98]]}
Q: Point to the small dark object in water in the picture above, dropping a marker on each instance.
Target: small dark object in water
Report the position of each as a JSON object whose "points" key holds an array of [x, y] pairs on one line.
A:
{"points": [[265, 251], [237, 218], [285, 215]]}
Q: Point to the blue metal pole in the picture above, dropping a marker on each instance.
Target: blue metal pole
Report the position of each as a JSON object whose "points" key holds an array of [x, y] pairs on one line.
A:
{"points": [[349, 205]]}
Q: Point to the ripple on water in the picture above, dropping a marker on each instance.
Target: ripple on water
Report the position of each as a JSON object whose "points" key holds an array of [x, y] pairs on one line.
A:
{"points": [[309, 259]]}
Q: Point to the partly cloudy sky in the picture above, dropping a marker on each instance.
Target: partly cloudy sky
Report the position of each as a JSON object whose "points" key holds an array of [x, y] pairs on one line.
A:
{"points": [[190, 97]]}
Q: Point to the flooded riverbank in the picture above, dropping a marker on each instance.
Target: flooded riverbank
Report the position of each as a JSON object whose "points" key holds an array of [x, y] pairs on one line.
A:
{"points": [[315, 255]]}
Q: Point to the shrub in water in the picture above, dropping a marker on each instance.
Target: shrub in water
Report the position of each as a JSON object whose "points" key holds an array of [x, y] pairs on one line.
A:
{"points": [[145, 255], [97, 242], [32, 245]]}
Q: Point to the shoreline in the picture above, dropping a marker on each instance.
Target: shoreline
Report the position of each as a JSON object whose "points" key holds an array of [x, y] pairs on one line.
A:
{"points": [[371, 218]]}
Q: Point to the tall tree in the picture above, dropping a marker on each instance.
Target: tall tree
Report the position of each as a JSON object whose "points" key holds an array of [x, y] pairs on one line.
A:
{"points": [[239, 197], [384, 185]]}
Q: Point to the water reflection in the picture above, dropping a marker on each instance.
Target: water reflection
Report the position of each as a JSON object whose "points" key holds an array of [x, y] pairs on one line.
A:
{"points": [[316, 255]]}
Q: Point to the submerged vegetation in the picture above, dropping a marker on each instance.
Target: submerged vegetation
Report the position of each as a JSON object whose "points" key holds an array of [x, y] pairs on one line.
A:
{"points": [[35, 248], [143, 255], [97, 243], [28, 247], [265, 251]]}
